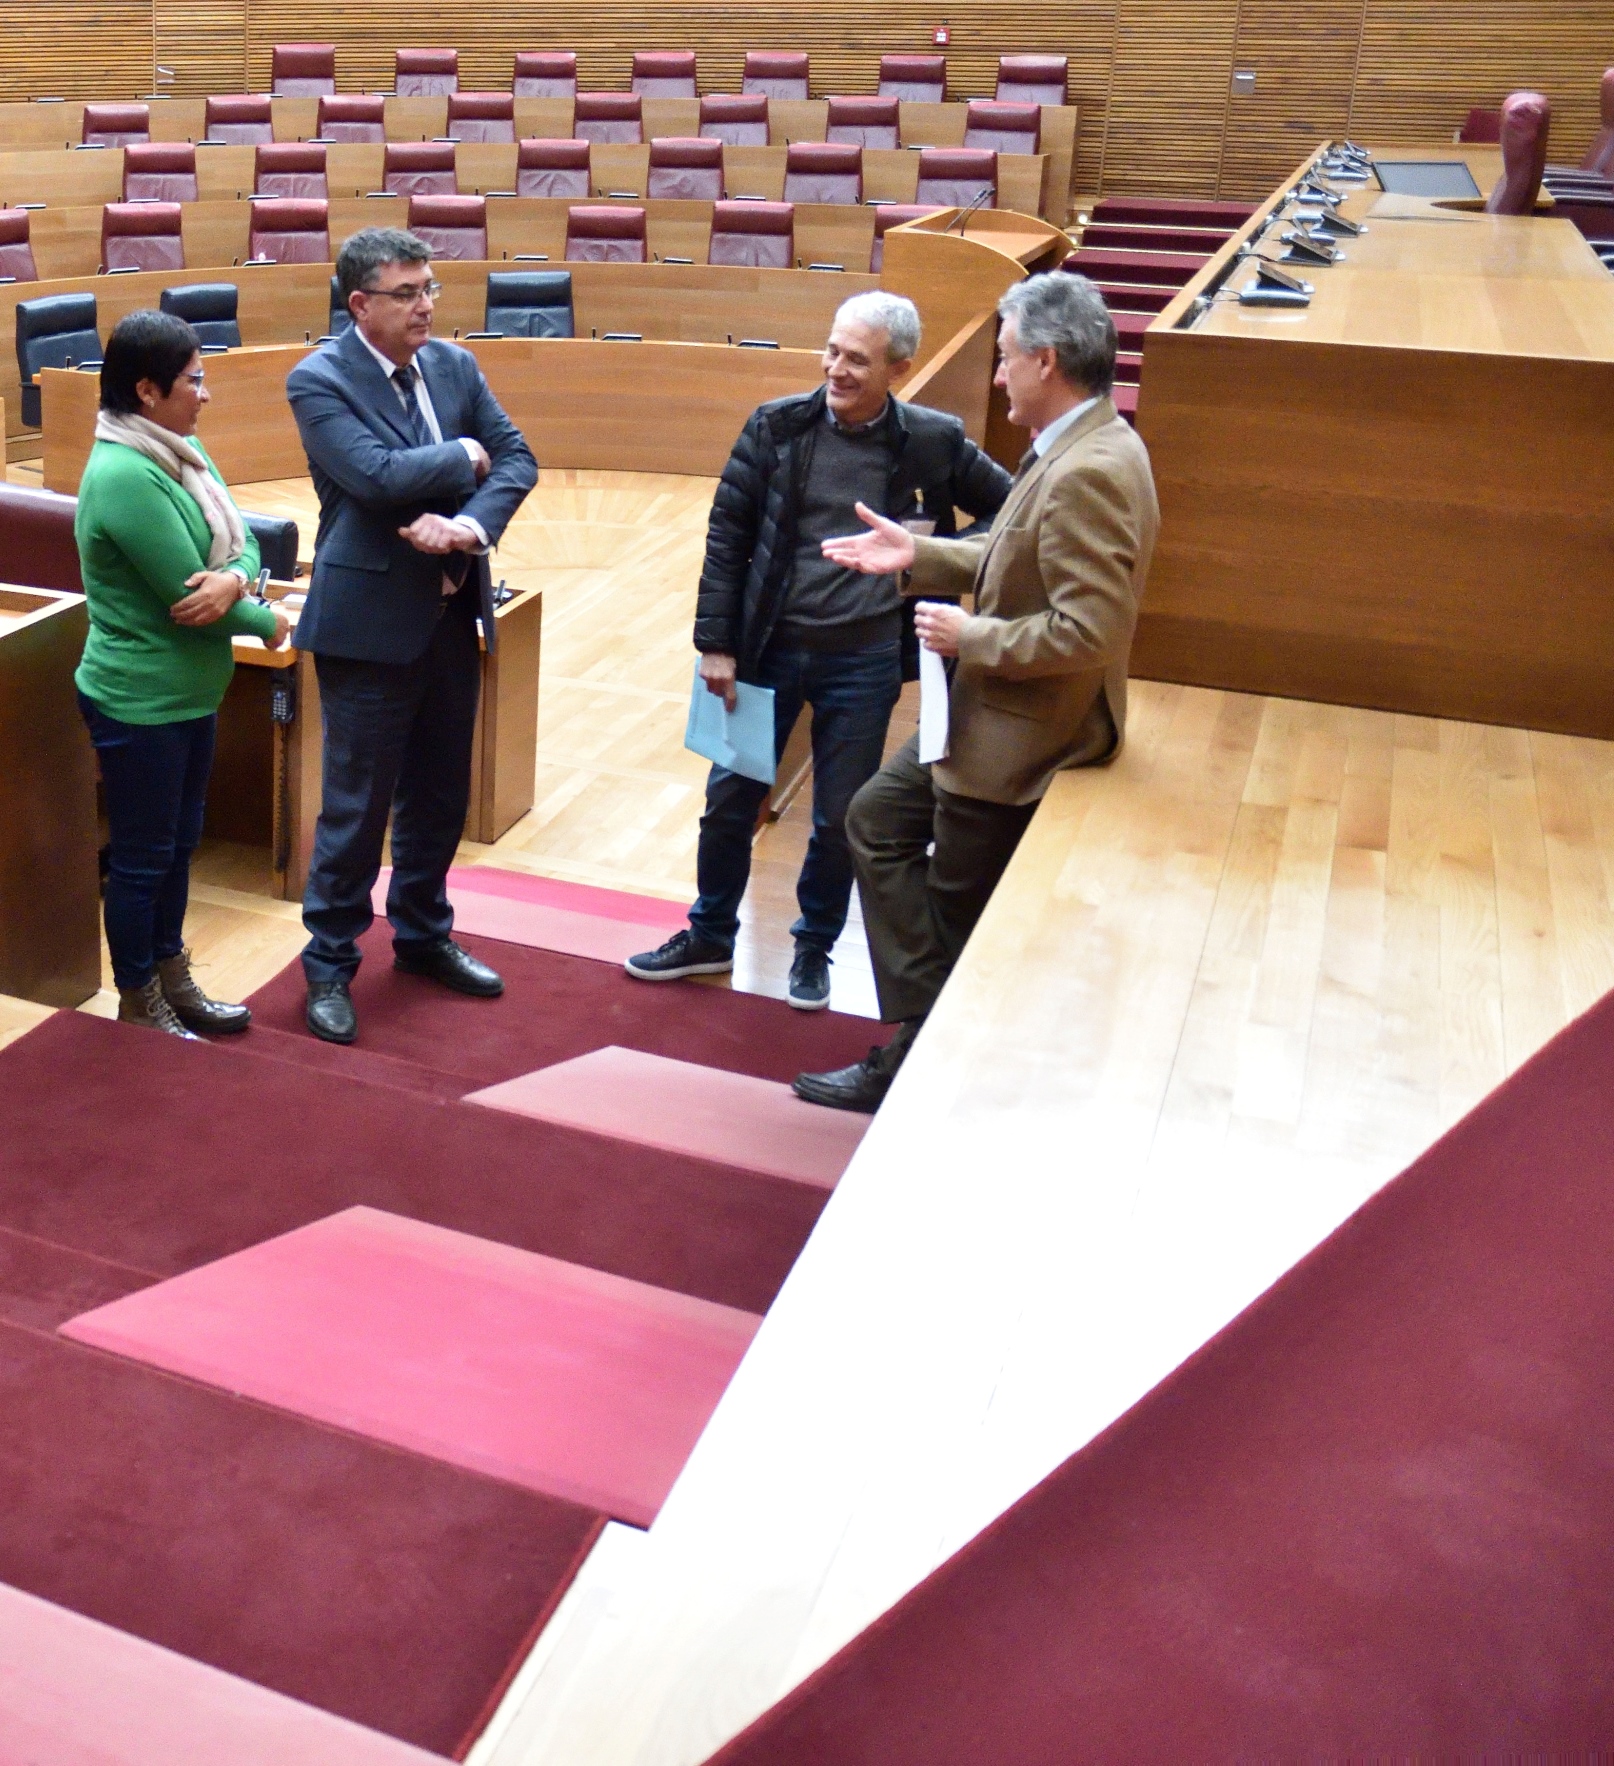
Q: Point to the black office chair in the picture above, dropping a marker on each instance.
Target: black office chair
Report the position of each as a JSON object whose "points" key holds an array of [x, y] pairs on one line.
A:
{"points": [[209, 308], [277, 543], [530, 303], [341, 318], [55, 331]]}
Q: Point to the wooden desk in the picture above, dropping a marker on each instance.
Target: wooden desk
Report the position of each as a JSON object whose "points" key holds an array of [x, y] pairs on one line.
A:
{"points": [[1402, 496], [265, 789], [50, 931]]}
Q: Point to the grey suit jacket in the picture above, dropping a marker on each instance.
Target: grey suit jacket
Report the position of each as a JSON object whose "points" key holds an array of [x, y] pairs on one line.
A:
{"points": [[373, 596]]}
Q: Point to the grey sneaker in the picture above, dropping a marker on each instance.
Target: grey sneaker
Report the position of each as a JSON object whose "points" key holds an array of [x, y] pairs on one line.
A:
{"points": [[809, 979], [685, 953]]}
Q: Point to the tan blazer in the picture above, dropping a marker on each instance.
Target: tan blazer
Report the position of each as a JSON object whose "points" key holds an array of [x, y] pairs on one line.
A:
{"points": [[1041, 676]]}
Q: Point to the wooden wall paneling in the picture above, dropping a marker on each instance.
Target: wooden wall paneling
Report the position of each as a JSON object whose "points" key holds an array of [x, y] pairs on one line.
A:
{"points": [[78, 49], [1423, 65], [1304, 60], [1168, 97], [205, 43]]}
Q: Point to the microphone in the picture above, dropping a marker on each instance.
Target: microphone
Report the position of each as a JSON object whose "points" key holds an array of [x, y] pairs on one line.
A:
{"points": [[978, 200]]}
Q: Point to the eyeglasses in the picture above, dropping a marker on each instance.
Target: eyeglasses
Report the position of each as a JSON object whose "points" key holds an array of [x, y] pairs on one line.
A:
{"points": [[409, 294], [195, 379]]}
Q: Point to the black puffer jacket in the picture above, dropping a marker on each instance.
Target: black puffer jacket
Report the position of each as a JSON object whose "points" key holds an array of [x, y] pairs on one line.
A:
{"points": [[751, 537]]}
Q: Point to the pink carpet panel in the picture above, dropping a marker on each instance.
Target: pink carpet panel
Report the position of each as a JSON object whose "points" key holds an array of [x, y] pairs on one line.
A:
{"points": [[679, 1107], [575, 919], [74, 1692], [561, 1379]]}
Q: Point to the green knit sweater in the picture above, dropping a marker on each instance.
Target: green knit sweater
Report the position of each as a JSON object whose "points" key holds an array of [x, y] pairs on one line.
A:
{"points": [[139, 536]]}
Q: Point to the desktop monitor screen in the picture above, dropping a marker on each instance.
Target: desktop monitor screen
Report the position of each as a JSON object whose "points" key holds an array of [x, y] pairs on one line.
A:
{"points": [[1425, 177]]}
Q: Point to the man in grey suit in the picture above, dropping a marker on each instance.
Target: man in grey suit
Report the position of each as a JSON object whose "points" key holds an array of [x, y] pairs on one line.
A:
{"points": [[418, 473]]}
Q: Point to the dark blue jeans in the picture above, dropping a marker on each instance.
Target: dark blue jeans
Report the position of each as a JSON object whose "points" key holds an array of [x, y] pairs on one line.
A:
{"points": [[155, 777], [852, 694]]}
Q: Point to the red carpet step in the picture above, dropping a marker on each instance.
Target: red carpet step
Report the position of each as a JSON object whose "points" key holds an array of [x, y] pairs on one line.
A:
{"points": [[554, 1008], [75, 1693], [756, 1124], [1373, 1518], [160, 1156], [378, 1585], [558, 1378], [573, 918]]}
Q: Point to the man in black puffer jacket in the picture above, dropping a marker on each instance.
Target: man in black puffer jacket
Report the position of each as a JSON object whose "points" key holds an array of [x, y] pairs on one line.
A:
{"points": [[773, 611]]}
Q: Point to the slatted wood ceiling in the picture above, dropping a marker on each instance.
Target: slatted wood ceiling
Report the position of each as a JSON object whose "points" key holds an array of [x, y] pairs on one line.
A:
{"points": [[76, 49], [1150, 77]]}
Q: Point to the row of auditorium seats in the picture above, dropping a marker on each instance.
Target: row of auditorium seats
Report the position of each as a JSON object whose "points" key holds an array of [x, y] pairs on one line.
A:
{"points": [[289, 230], [616, 117], [308, 70], [680, 168]]}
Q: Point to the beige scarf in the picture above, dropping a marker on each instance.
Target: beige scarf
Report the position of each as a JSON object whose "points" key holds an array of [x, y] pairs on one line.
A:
{"points": [[183, 462]]}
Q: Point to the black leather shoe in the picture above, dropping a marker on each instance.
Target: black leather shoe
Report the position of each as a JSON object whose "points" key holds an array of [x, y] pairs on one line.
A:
{"points": [[330, 1012], [863, 1085], [453, 967]]}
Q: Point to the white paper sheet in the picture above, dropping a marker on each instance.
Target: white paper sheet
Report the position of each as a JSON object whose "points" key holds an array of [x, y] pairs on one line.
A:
{"points": [[932, 707]]}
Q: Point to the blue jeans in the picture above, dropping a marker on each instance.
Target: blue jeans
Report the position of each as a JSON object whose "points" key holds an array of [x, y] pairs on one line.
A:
{"points": [[156, 788], [852, 694]]}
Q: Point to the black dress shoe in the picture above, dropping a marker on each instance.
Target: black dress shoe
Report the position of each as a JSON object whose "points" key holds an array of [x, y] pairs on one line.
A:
{"points": [[330, 1011], [863, 1085], [453, 967]]}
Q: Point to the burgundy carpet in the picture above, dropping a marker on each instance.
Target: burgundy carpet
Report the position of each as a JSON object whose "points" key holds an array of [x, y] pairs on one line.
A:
{"points": [[380, 1585], [417, 1035], [162, 1155], [558, 1378], [1374, 1517]]}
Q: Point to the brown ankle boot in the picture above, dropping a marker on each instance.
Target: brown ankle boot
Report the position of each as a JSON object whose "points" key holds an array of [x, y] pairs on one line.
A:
{"points": [[191, 1006], [147, 1007]]}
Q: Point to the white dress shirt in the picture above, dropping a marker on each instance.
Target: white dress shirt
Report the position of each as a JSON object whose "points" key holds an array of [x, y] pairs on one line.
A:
{"points": [[1047, 437]]}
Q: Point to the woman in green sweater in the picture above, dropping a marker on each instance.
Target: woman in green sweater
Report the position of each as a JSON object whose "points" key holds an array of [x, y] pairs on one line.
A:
{"points": [[167, 564]]}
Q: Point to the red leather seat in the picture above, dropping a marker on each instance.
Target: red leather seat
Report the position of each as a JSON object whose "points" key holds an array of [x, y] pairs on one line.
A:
{"points": [[545, 73], [915, 79], [164, 171], [552, 168], [775, 73], [952, 177], [420, 168], [243, 121], [1481, 127], [866, 122], [610, 118], [823, 171], [350, 117], [1526, 117], [303, 70], [889, 215], [453, 226], [425, 73], [142, 236], [40, 548], [1034, 79], [482, 116], [290, 168], [663, 73], [291, 231], [1003, 128], [736, 121], [601, 235], [753, 235], [16, 253], [685, 169], [116, 125]]}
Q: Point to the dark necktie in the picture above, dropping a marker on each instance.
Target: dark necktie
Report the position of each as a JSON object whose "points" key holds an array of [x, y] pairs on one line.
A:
{"points": [[404, 380], [1027, 460]]}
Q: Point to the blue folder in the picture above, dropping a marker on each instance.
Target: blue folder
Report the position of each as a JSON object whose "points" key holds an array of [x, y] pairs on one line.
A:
{"points": [[742, 739]]}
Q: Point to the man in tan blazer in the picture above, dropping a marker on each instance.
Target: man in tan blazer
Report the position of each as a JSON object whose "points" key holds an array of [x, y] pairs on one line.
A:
{"points": [[1039, 671]]}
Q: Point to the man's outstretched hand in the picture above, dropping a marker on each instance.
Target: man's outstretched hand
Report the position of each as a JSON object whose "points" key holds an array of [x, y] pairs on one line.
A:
{"points": [[884, 551], [438, 534]]}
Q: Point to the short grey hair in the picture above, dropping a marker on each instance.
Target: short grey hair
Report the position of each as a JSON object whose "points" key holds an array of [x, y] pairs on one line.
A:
{"points": [[371, 248], [1065, 313], [896, 316]]}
